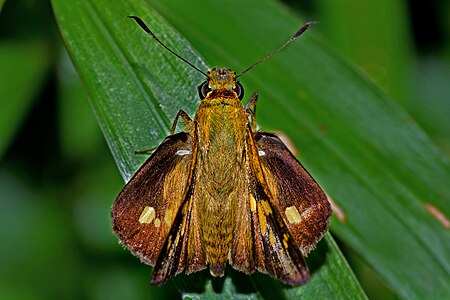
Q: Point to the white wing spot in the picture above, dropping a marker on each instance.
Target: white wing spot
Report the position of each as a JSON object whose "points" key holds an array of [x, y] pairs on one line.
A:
{"points": [[306, 212], [261, 153], [147, 215], [183, 152]]}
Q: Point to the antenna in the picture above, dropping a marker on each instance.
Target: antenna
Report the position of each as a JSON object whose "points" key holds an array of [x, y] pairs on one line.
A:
{"points": [[146, 29], [293, 38]]}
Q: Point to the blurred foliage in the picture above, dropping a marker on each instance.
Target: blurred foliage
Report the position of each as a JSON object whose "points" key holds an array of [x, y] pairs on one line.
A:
{"points": [[58, 178]]}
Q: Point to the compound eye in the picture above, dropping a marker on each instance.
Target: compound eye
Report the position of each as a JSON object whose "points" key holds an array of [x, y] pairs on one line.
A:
{"points": [[203, 90], [239, 89]]}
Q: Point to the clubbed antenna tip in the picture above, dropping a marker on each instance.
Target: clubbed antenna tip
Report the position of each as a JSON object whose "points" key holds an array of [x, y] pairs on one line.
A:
{"points": [[293, 38]]}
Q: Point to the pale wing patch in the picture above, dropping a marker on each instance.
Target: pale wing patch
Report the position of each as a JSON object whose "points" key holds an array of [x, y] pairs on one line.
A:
{"points": [[168, 216], [263, 211], [261, 153], [267, 208], [252, 203], [147, 215], [169, 241], [293, 215], [271, 238], [285, 241], [183, 152], [307, 211], [262, 220]]}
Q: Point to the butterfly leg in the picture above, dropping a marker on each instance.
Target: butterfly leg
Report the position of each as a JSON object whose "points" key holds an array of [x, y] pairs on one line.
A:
{"points": [[147, 151], [189, 123], [250, 109]]}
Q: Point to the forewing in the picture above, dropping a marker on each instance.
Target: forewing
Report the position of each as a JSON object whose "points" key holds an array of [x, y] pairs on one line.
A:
{"points": [[146, 209], [294, 194]]}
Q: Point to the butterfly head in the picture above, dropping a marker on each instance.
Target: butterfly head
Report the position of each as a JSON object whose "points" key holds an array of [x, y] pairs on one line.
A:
{"points": [[222, 80]]}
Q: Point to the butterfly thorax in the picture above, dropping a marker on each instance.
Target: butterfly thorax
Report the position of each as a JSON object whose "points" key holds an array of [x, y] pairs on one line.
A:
{"points": [[220, 169]]}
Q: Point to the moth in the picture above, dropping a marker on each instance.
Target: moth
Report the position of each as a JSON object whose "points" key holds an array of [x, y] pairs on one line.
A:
{"points": [[222, 192]]}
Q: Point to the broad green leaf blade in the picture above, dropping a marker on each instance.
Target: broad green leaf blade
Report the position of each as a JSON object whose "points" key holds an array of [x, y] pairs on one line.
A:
{"points": [[388, 178], [23, 66], [382, 28], [136, 88]]}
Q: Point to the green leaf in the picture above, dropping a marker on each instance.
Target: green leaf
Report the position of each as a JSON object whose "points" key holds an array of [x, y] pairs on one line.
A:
{"points": [[371, 158], [382, 28]]}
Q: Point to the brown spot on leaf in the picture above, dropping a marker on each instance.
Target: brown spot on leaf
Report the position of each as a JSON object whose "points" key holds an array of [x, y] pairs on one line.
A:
{"points": [[438, 215], [337, 210]]}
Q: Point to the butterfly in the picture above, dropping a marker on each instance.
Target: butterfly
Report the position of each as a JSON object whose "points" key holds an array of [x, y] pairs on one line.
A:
{"points": [[220, 192]]}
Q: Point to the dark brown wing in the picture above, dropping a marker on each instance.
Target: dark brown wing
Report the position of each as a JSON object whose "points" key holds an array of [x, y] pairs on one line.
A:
{"points": [[300, 201], [288, 213], [151, 205]]}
